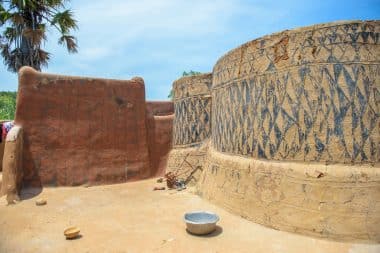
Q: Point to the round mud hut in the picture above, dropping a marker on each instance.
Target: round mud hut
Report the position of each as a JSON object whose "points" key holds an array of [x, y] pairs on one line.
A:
{"points": [[191, 127], [295, 131]]}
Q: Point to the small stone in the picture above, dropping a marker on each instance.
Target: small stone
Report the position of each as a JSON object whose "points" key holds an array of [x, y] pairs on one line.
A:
{"points": [[41, 202], [72, 233]]}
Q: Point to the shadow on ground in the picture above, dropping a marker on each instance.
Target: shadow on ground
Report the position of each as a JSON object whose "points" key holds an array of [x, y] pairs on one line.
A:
{"points": [[29, 193], [218, 230], [75, 238]]}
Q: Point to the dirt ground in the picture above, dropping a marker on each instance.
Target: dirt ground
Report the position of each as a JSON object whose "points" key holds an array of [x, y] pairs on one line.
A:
{"points": [[131, 217]]}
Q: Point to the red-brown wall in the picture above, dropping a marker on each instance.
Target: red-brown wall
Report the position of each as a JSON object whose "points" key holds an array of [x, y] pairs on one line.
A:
{"points": [[160, 115], [82, 130]]}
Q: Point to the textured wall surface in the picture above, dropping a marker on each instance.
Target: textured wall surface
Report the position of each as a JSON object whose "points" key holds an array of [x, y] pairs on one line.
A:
{"points": [[339, 202], [2, 144], [188, 162], [81, 130], [160, 116], [13, 165], [295, 131], [310, 94], [191, 127], [192, 108]]}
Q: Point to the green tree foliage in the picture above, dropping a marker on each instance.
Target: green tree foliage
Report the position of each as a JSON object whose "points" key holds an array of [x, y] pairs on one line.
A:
{"points": [[7, 104], [190, 73], [24, 26]]}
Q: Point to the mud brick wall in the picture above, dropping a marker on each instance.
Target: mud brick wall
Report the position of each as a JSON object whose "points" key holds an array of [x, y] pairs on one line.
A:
{"points": [[295, 131], [12, 174], [81, 130], [191, 127], [160, 116], [2, 145]]}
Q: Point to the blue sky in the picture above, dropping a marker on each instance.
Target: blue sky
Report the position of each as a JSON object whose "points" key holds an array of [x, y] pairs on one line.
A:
{"points": [[159, 39]]}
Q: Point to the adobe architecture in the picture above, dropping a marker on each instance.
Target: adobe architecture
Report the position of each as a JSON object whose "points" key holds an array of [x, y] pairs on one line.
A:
{"points": [[192, 126], [294, 140], [283, 132], [81, 130]]}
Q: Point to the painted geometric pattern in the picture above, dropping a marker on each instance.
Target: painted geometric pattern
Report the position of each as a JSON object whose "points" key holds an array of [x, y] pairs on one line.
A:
{"points": [[192, 121], [345, 42], [304, 95]]}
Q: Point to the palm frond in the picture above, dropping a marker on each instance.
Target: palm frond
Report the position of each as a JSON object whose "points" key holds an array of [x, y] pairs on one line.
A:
{"points": [[17, 18], [65, 21], [35, 36], [4, 15], [43, 57], [55, 3], [10, 34], [70, 43], [5, 51]]}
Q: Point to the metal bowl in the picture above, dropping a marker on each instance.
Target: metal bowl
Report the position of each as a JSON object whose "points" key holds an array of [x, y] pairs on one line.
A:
{"points": [[201, 222]]}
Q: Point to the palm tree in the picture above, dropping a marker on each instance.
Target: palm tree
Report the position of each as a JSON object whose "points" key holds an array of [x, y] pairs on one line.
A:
{"points": [[25, 23]]}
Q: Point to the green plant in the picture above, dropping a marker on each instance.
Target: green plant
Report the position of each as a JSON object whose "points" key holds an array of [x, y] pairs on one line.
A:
{"points": [[7, 104], [191, 73]]}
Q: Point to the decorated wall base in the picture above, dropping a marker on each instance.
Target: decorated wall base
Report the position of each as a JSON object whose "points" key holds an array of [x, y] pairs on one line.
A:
{"points": [[188, 163], [339, 202]]}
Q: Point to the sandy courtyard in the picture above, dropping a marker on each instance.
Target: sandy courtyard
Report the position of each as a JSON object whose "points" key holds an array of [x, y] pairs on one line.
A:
{"points": [[132, 218]]}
